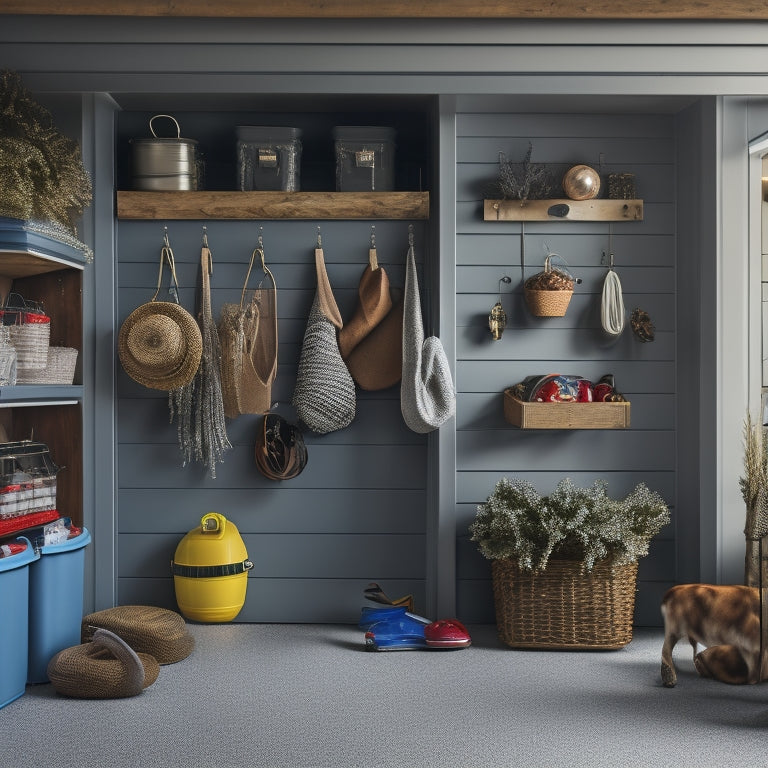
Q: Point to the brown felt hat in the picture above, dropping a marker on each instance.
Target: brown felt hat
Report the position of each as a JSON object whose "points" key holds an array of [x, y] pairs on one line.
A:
{"points": [[105, 668], [160, 345], [147, 629], [373, 305], [377, 361]]}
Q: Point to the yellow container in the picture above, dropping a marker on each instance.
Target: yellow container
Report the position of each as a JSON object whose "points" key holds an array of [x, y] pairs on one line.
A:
{"points": [[210, 571]]}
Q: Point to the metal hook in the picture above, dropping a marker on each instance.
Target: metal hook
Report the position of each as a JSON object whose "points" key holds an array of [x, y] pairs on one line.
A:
{"points": [[261, 238], [610, 248], [506, 279], [205, 236], [319, 238], [410, 235], [373, 236], [165, 237]]}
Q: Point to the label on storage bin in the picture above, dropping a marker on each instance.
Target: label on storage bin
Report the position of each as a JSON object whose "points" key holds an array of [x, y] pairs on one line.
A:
{"points": [[267, 158], [365, 158]]}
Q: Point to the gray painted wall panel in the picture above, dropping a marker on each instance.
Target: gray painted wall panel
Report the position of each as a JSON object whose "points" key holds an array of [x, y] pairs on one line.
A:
{"points": [[503, 249], [292, 555], [644, 143], [645, 258], [357, 512], [300, 510]]}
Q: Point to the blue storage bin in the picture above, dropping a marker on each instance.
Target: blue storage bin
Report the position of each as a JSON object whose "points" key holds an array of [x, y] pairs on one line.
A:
{"points": [[14, 627], [55, 602]]}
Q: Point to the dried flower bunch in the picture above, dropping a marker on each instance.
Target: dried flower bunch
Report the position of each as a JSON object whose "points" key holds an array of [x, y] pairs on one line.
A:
{"points": [[42, 171], [572, 523], [525, 180]]}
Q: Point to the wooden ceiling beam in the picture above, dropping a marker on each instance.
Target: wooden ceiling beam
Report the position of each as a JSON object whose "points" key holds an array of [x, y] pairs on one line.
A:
{"points": [[745, 10]]}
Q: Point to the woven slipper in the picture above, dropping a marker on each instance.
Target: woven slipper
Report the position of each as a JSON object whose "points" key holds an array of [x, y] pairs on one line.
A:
{"points": [[159, 632], [106, 668]]}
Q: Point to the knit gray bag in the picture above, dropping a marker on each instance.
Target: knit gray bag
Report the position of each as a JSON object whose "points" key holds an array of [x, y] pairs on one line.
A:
{"points": [[427, 395], [324, 396]]}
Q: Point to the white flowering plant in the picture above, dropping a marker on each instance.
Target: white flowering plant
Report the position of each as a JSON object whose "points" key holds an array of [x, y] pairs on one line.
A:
{"points": [[572, 523]]}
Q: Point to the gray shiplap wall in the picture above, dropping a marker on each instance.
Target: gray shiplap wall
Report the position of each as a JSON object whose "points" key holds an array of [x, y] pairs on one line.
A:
{"points": [[357, 512], [489, 448]]}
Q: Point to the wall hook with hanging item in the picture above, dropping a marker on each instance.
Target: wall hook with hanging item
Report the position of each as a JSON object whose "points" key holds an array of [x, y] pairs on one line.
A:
{"points": [[497, 319], [249, 344], [612, 314], [199, 405], [427, 392], [371, 340], [548, 293], [160, 344]]}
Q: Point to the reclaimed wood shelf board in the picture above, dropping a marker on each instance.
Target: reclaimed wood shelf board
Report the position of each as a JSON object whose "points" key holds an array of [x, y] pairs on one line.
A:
{"points": [[565, 415], [272, 205], [563, 210]]}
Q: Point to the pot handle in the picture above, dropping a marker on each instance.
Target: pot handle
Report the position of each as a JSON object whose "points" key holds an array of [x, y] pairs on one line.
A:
{"points": [[170, 117]]}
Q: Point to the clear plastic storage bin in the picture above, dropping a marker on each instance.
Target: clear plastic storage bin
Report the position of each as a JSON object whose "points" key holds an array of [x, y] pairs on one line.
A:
{"points": [[365, 158], [268, 158]]}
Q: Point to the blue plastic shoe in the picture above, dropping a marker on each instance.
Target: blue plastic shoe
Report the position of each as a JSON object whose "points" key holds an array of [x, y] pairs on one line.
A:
{"points": [[405, 633], [371, 616]]}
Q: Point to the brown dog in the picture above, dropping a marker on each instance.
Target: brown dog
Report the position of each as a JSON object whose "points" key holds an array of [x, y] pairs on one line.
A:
{"points": [[724, 619]]}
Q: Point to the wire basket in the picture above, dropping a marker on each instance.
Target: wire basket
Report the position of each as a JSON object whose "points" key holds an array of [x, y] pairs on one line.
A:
{"points": [[564, 607], [59, 369]]}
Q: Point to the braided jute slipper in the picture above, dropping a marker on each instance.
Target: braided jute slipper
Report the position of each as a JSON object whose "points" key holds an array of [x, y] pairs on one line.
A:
{"points": [[148, 629], [106, 668]]}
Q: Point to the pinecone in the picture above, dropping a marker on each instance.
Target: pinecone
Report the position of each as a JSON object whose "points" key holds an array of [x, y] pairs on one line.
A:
{"points": [[641, 325]]}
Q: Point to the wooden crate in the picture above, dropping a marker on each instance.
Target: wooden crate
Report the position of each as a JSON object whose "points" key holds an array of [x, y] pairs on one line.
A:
{"points": [[565, 415]]}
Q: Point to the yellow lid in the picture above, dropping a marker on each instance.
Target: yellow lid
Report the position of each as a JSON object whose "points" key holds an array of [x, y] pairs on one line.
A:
{"points": [[216, 541]]}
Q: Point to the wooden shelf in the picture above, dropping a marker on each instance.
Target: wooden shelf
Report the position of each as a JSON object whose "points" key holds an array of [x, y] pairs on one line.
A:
{"points": [[565, 415], [563, 210], [272, 205]]}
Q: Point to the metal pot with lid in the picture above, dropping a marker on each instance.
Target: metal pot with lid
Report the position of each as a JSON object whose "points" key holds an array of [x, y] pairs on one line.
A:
{"points": [[165, 163]]}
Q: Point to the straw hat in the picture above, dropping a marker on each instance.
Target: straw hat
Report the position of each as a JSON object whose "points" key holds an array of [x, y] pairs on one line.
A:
{"points": [[160, 345], [148, 629], [106, 668]]}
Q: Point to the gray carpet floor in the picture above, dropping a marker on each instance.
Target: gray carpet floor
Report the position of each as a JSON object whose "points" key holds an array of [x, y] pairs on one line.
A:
{"points": [[301, 696]]}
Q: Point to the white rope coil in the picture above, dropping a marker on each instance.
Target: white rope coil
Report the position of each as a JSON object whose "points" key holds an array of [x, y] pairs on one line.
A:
{"points": [[612, 307]]}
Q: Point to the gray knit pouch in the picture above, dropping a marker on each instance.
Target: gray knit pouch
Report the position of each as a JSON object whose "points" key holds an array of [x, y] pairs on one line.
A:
{"points": [[427, 395], [324, 397]]}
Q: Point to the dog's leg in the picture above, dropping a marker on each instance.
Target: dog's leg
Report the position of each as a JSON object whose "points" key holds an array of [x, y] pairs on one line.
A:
{"points": [[668, 674]]}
